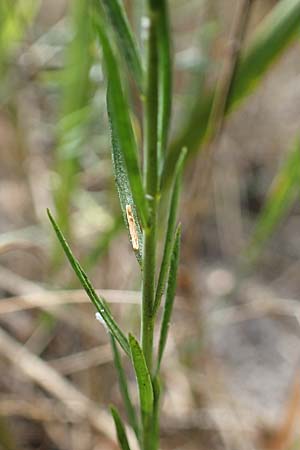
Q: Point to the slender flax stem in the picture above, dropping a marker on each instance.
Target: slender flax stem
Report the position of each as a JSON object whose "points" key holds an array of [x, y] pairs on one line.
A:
{"points": [[151, 188]]}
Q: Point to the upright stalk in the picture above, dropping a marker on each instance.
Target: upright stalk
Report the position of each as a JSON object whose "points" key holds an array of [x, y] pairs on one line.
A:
{"points": [[151, 187]]}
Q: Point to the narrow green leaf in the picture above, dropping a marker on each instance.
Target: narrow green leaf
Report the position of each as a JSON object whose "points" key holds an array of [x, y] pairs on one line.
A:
{"points": [[170, 296], [169, 239], [126, 41], [123, 187], [75, 110], [274, 34], [270, 39], [118, 107], [143, 378], [283, 192], [164, 78], [120, 428], [98, 302], [156, 410], [124, 389]]}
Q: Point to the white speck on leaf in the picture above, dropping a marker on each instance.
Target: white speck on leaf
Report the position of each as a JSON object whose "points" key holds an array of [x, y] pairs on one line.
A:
{"points": [[100, 319]]}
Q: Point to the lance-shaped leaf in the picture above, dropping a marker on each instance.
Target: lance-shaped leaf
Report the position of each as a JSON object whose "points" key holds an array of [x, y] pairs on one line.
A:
{"points": [[124, 389], [165, 264], [273, 35], [156, 410], [270, 39], [120, 118], [120, 429], [164, 78], [75, 112], [123, 187], [98, 302], [126, 41], [282, 195], [170, 296], [143, 379]]}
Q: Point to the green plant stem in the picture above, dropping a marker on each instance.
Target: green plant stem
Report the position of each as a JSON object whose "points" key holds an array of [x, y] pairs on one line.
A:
{"points": [[151, 188], [151, 185]]}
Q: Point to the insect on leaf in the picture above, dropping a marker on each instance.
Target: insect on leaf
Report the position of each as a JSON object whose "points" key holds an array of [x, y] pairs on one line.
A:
{"points": [[120, 122], [125, 193]]}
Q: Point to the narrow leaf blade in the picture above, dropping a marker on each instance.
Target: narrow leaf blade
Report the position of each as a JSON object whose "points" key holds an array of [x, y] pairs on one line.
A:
{"points": [[165, 79], [86, 284], [156, 411], [170, 296], [274, 34], [126, 41], [282, 194], [124, 389], [118, 109], [75, 110], [143, 378], [270, 39], [123, 186], [165, 264], [120, 429]]}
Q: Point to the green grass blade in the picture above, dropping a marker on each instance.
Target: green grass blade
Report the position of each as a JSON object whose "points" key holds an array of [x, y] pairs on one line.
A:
{"points": [[123, 187], [124, 389], [274, 34], [120, 428], [283, 192], [156, 410], [270, 39], [98, 302], [119, 114], [165, 79], [143, 378], [75, 111], [170, 296], [126, 41], [169, 239]]}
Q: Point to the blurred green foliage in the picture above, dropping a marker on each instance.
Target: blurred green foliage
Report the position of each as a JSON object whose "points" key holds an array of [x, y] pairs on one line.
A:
{"points": [[73, 79]]}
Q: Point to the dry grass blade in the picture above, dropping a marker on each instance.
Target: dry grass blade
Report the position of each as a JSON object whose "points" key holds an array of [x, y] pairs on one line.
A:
{"points": [[36, 408], [53, 300], [15, 284], [45, 376], [82, 360], [23, 245]]}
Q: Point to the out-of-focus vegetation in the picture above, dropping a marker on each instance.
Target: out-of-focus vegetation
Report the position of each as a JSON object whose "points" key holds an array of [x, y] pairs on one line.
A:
{"points": [[236, 105]]}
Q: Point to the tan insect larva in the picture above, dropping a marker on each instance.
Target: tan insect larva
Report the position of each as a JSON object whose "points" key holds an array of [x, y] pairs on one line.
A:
{"points": [[132, 228]]}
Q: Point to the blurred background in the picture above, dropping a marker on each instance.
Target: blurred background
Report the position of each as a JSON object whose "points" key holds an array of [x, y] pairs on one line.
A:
{"points": [[232, 364]]}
